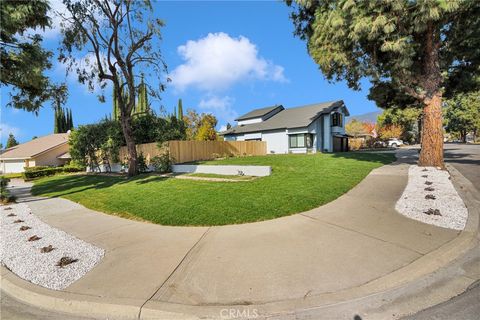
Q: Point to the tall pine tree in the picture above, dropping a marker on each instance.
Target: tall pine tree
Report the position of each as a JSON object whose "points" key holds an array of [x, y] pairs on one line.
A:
{"points": [[407, 48], [180, 109]]}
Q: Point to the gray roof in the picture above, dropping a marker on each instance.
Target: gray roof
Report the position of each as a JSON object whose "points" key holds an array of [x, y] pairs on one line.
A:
{"points": [[289, 118], [35, 147], [257, 113]]}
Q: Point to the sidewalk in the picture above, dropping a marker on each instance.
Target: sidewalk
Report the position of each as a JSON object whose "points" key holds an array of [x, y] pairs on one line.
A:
{"points": [[352, 247]]}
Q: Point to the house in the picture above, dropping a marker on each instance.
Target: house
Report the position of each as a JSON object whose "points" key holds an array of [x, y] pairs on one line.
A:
{"points": [[51, 150], [317, 127]]}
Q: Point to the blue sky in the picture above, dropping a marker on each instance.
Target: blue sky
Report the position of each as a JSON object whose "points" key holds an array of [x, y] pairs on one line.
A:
{"points": [[224, 57]]}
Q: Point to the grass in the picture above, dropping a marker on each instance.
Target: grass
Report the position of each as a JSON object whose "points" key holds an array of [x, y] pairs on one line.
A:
{"points": [[12, 175], [220, 176], [298, 183]]}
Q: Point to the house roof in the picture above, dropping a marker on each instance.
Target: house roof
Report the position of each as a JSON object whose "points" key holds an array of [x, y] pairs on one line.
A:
{"points": [[35, 147], [257, 113], [65, 156], [289, 118]]}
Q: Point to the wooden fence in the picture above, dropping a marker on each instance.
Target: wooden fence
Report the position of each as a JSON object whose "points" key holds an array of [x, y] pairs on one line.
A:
{"points": [[188, 151]]}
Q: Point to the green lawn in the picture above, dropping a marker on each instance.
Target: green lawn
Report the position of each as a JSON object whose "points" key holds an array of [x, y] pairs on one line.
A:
{"points": [[298, 183], [220, 176]]}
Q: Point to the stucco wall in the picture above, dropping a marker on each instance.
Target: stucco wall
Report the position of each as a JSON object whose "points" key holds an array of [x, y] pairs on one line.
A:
{"points": [[49, 158], [277, 141]]}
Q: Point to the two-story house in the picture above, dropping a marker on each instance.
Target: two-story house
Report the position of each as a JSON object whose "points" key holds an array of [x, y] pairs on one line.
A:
{"points": [[317, 127]]}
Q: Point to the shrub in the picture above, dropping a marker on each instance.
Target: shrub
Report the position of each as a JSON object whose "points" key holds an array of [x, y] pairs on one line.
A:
{"points": [[355, 144], [5, 196], [162, 163], [141, 163], [36, 168], [49, 171]]}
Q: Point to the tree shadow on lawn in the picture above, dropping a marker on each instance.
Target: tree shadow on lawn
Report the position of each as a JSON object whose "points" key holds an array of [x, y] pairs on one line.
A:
{"points": [[371, 156], [78, 183]]}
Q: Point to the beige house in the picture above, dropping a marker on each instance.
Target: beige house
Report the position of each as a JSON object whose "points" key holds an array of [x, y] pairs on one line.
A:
{"points": [[51, 150]]}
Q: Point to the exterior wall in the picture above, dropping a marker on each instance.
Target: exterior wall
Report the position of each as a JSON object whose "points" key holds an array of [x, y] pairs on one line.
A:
{"points": [[277, 141], [49, 158], [327, 135], [249, 121]]}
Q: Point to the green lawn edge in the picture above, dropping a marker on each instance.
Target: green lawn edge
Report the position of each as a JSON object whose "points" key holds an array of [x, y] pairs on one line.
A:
{"points": [[298, 183]]}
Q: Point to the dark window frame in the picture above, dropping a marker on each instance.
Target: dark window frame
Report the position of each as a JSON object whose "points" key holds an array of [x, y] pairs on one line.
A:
{"points": [[336, 119], [307, 143]]}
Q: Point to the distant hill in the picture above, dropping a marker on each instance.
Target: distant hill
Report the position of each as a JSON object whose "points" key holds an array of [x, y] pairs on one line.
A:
{"points": [[366, 117]]}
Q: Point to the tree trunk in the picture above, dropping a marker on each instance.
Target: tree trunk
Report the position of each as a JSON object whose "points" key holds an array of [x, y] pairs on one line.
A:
{"points": [[126, 122], [432, 133]]}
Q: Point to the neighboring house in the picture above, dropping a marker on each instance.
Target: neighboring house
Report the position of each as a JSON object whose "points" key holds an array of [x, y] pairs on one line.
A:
{"points": [[51, 150], [317, 127]]}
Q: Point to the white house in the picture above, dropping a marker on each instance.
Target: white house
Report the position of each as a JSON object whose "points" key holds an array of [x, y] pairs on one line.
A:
{"points": [[317, 127]]}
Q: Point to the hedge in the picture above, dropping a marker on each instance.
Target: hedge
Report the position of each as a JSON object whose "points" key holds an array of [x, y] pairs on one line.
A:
{"points": [[37, 172]]}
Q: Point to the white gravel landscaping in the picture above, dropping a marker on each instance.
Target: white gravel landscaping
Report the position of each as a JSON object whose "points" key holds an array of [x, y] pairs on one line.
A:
{"points": [[25, 259], [431, 198]]}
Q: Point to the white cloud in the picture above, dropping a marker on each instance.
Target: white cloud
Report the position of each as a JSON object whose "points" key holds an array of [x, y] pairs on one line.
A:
{"points": [[6, 129], [221, 107], [218, 61]]}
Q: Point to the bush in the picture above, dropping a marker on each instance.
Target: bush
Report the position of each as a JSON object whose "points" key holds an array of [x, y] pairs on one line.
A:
{"points": [[49, 171], [5, 196], [36, 168], [162, 163], [141, 163], [355, 144]]}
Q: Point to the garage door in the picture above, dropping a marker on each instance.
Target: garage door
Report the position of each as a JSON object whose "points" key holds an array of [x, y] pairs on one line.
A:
{"points": [[13, 166]]}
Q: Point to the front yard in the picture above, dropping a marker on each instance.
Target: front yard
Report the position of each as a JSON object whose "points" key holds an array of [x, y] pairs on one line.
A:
{"points": [[298, 183]]}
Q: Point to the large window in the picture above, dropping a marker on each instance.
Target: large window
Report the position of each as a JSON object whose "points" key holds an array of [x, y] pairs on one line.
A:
{"points": [[337, 119], [301, 140]]}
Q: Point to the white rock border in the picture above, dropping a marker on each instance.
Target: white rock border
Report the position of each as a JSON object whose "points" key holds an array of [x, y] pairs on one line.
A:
{"points": [[25, 259], [413, 202]]}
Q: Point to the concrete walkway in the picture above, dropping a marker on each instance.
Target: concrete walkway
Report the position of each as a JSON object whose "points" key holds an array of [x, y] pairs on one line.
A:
{"points": [[354, 246]]}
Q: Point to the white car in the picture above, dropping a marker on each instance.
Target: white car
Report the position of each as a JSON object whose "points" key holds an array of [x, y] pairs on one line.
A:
{"points": [[394, 143]]}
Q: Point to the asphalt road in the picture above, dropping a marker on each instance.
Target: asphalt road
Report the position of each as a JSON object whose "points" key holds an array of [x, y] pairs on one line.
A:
{"points": [[465, 158]]}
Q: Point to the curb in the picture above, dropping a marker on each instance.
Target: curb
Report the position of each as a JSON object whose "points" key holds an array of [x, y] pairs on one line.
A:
{"points": [[98, 307]]}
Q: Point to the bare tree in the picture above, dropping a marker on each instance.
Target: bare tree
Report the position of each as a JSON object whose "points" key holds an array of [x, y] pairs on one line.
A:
{"points": [[117, 38]]}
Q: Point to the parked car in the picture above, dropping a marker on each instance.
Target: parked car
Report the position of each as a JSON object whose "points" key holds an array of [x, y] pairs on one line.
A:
{"points": [[394, 143]]}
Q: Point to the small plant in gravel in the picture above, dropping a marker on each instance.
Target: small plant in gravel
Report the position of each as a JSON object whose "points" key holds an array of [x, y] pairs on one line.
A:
{"points": [[434, 212], [34, 238], [65, 261], [429, 189], [425, 169], [430, 197], [7, 208], [24, 228], [47, 249], [428, 183], [18, 221], [11, 215], [425, 176]]}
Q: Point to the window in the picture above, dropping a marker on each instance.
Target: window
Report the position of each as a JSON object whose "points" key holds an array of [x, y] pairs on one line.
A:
{"points": [[336, 119], [301, 140]]}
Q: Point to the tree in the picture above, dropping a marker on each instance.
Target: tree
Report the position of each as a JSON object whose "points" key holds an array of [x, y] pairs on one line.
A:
{"points": [[63, 120], [23, 61], [192, 123], [180, 109], [390, 131], [412, 48], [355, 128], [408, 118], [462, 115], [123, 38], [142, 105], [11, 141], [206, 129]]}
